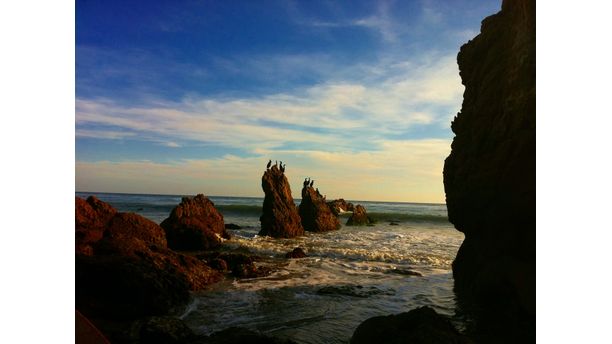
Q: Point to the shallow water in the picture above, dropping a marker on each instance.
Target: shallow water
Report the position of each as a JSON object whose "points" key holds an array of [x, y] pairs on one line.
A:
{"points": [[350, 275]]}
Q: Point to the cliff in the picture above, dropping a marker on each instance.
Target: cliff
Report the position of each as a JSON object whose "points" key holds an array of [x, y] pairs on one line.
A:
{"points": [[316, 215], [280, 218], [489, 177]]}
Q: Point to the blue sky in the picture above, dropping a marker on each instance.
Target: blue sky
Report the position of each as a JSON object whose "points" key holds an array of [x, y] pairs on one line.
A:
{"points": [[195, 96]]}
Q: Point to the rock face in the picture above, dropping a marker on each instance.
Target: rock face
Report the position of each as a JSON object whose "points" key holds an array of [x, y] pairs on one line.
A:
{"points": [[280, 218], [128, 271], [195, 224], [420, 325], [339, 206], [316, 215], [489, 177], [359, 217]]}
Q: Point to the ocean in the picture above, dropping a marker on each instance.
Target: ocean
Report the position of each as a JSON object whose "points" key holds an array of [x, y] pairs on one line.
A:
{"points": [[349, 275]]}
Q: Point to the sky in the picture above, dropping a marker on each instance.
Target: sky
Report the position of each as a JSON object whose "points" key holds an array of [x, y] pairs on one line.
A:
{"points": [[192, 97]]}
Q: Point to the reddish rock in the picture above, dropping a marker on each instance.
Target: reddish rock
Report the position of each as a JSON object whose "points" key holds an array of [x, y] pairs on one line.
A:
{"points": [[340, 206], [490, 174], [91, 219], [359, 217], [280, 218], [296, 253], [195, 224], [316, 215], [127, 226]]}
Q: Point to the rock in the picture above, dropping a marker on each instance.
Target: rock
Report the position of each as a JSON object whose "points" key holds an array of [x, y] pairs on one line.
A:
{"points": [[340, 206], [195, 224], [232, 226], [238, 335], [165, 330], [280, 218], [420, 325], [406, 272], [296, 253], [359, 217], [489, 176], [91, 219], [393, 223], [129, 272], [316, 215]]}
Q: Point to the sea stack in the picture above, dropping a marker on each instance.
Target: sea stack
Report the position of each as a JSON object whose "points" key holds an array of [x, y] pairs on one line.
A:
{"points": [[316, 215], [359, 217], [280, 218], [195, 224], [339, 206], [489, 177]]}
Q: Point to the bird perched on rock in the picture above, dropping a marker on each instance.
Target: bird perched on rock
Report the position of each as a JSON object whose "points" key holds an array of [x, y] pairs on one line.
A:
{"points": [[311, 182], [305, 181], [269, 164], [282, 167], [276, 163]]}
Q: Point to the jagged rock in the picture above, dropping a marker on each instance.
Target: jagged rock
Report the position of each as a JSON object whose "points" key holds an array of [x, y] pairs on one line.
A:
{"points": [[296, 253], [129, 272], [418, 326], [280, 218], [359, 217], [340, 206], [316, 215], [489, 177], [91, 219], [195, 224]]}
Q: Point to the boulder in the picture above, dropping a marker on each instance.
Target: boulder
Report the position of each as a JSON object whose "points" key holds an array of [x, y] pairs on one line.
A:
{"points": [[340, 206], [296, 253], [129, 272], [489, 176], [195, 224], [418, 326], [91, 219], [316, 215], [280, 218], [359, 217]]}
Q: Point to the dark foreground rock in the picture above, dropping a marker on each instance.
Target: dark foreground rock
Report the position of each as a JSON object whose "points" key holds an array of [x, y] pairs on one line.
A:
{"points": [[489, 177], [418, 326], [296, 253], [339, 206], [359, 217], [316, 215], [128, 272], [195, 224], [280, 218]]}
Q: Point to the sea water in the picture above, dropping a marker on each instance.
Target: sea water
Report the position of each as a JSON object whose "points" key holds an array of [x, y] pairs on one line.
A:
{"points": [[349, 275]]}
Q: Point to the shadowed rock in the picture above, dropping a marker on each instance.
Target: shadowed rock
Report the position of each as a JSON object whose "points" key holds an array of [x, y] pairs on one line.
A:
{"points": [[91, 219], [418, 326], [316, 215], [280, 218], [296, 253], [195, 224], [489, 177], [339, 206], [359, 217]]}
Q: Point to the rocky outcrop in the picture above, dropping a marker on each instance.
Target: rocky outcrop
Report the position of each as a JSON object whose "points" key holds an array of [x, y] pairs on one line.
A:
{"points": [[359, 217], [420, 325], [280, 218], [195, 224], [91, 219], [489, 177], [339, 206], [129, 272], [316, 215]]}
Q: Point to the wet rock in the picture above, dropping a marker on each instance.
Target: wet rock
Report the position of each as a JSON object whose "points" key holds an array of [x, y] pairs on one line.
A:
{"points": [[340, 206], [195, 224], [393, 223], [316, 215], [359, 217], [354, 291], [420, 325], [296, 253], [406, 272], [237, 335], [489, 177], [232, 226], [280, 218]]}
